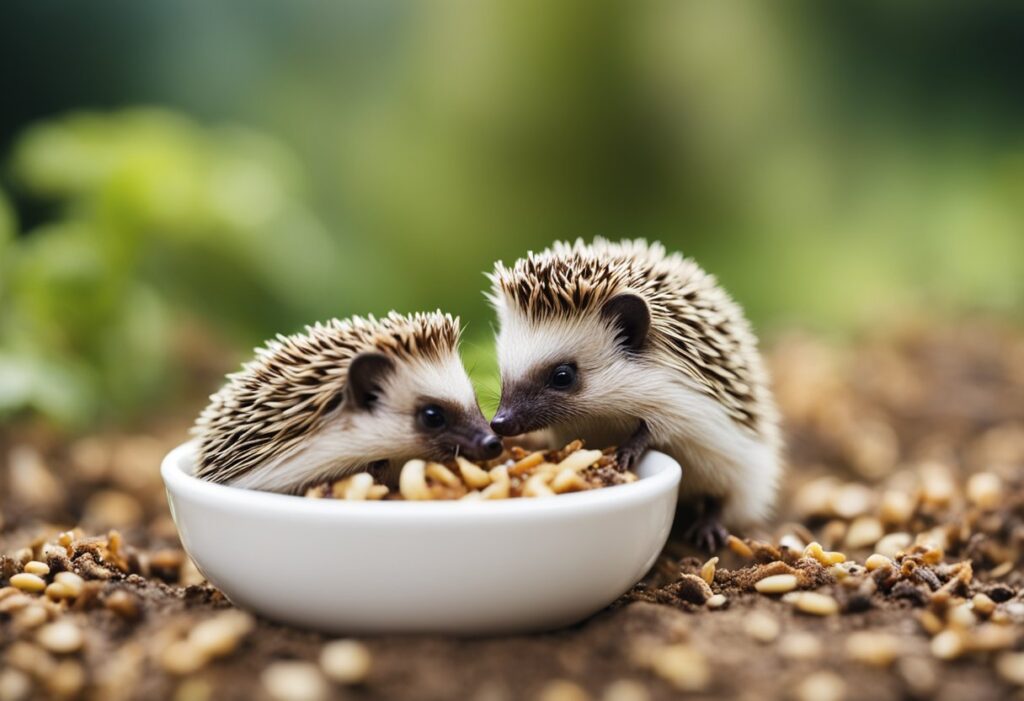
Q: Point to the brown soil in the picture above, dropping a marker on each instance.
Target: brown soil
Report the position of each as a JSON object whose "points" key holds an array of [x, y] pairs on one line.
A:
{"points": [[897, 425]]}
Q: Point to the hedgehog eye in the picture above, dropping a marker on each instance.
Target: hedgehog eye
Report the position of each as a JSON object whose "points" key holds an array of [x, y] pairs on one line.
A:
{"points": [[562, 377], [432, 417]]}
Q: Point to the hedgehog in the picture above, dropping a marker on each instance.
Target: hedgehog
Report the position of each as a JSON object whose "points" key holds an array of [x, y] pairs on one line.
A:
{"points": [[625, 344], [343, 396]]}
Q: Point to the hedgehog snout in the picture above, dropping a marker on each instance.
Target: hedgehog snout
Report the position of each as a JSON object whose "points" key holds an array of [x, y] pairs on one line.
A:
{"points": [[509, 422], [504, 423], [479, 445], [491, 447]]}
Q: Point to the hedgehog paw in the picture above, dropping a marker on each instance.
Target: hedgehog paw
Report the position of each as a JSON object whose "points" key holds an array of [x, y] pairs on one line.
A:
{"points": [[708, 534], [628, 456]]}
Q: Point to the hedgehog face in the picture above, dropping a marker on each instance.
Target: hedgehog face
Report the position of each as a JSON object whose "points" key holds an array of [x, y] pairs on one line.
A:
{"points": [[416, 408], [560, 370]]}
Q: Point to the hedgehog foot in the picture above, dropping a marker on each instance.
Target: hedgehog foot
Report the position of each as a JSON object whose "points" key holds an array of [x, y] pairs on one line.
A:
{"points": [[707, 532], [629, 452]]}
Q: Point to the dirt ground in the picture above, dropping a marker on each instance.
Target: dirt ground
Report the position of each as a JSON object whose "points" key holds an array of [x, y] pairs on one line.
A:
{"points": [[909, 444]]}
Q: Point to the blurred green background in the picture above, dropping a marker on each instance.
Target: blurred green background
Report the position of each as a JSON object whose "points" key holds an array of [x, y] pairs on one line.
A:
{"points": [[183, 179]]}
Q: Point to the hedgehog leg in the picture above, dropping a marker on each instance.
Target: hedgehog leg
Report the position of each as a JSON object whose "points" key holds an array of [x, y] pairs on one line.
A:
{"points": [[707, 532], [630, 451]]}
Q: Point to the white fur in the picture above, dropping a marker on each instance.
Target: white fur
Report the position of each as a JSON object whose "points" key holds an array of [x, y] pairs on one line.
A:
{"points": [[720, 457], [351, 439]]}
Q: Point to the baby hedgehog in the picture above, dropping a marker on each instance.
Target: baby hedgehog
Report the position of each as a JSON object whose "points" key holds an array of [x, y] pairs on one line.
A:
{"points": [[621, 343], [341, 397]]}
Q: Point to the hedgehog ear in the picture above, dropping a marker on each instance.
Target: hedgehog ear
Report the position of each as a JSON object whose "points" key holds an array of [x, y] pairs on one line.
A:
{"points": [[629, 313], [366, 372]]}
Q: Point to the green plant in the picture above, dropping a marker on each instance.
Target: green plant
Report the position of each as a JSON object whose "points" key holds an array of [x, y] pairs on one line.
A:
{"points": [[156, 220]]}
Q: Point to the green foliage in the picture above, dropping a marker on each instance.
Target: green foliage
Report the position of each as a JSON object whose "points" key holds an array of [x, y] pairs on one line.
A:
{"points": [[157, 220]]}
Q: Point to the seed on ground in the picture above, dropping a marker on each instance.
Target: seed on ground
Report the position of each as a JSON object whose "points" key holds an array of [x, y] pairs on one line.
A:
{"points": [[919, 675], [864, 532], [18, 601], [625, 690], [61, 637], [961, 616], [813, 497], [791, 542], [707, 570], [14, 685], [948, 645], [716, 601], [799, 646], [851, 500], [833, 532], [220, 635], [876, 561], [991, 637], [893, 544], [932, 555], [871, 648], [28, 582], [814, 550], [30, 617], [294, 680], [813, 603], [194, 689], [938, 486], [839, 573], [1010, 666], [821, 686], [896, 507], [67, 679], [739, 547], [682, 666], [983, 604], [40, 569], [190, 574], [931, 623], [57, 591], [123, 603], [1001, 570], [181, 658], [345, 661], [562, 690], [761, 627], [985, 490], [776, 584]]}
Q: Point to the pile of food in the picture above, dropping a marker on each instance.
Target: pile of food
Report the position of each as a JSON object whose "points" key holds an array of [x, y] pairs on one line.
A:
{"points": [[517, 473]]}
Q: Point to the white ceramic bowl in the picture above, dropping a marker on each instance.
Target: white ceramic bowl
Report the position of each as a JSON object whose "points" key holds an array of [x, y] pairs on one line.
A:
{"points": [[406, 567]]}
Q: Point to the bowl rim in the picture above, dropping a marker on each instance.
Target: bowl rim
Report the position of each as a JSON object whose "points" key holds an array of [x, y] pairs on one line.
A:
{"points": [[179, 482]]}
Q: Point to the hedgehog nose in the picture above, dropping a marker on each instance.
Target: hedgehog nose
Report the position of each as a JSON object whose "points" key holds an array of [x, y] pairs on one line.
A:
{"points": [[491, 447], [503, 424]]}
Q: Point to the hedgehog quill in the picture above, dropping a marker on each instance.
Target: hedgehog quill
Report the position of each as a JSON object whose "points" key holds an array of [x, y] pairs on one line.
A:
{"points": [[341, 397], [622, 343]]}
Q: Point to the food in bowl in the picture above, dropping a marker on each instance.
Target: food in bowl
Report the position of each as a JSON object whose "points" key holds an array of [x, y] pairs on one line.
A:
{"points": [[517, 473]]}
